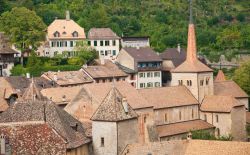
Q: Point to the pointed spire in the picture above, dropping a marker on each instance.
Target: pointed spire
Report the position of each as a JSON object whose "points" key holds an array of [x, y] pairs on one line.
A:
{"points": [[220, 76], [191, 44], [32, 92]]}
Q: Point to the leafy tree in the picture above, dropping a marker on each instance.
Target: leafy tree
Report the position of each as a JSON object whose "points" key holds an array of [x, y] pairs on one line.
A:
{"points": [[242, 76], [24, 27]]}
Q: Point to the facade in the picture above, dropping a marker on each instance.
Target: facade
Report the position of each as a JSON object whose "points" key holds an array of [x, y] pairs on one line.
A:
{"points": [[135, 42], [7, 56], [114, 125], [105, 41], [143, 65], [62, 37], [227, 114]]}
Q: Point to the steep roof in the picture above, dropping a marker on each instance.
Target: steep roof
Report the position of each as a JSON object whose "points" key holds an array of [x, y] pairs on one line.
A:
{"points": [[66, 78], [66, 28], [192, 64], [174, 55], [32, 93], [102, 33], [165, 97], [5, 47], [229, 88], [220, 76], [188, 147], [113, 108], [142, 54], [108, 69], [57, 118], [33, 138], [182, 127], [217, 103]]}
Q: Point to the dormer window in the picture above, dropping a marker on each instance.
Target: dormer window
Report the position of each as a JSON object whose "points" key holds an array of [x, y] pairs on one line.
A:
{"points": [[75, 34], [56, 34], [64, 33]]}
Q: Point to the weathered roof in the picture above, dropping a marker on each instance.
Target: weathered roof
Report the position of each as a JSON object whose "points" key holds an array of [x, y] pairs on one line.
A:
{"points": [[192, 64], [114, 108], [166, 97], [6, 90], [217, 103], [220, 76], [33, 138], [32, 93], [174, 55], [5, 47], [66, 28], [188, 147], [146, 38], [102, 33], [248, 117], [91, 96], [142, 54], [229, 88], [61, 95], [66, 78], [107, 70], [57, 118], [182, 127], [125, 69]]}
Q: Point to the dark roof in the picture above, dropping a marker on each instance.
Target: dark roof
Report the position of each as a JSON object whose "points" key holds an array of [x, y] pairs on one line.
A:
{"points": [[102, 33], [58, 119], [135, 38], [143, 54], [113, 107], [5, 46], [174, 55], [125, 69]]}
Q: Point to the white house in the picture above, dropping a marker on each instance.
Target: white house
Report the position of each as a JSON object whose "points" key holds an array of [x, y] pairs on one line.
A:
{"points": [[105, 41], [62, 36]]}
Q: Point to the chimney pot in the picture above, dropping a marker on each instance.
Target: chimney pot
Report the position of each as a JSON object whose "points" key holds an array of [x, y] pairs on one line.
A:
{"points": [[125, 104], [179, 48], [67, 15]]}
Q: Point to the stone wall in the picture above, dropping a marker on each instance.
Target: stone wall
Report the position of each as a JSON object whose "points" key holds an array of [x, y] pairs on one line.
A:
{"points": [[127, 133], [238, 129], [245, 101], [125, 59], [82, 150]]}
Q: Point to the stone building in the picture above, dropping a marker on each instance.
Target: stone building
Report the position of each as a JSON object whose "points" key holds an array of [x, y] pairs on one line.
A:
{"points": [[114, 125], [227, 114], [143, 65], [135, 42], [105, 41], [103, 71], [7, 56], [62, 37]]}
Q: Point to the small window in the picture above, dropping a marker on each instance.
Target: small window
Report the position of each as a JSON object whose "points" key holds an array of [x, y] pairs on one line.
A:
{"points": [[71, 43], [180, 115], [75, 34], [142, 85], [150, 84], [56, 34], [95, 43], [102, 141], [205, 117], [189, 83], [156, 74], [106, 53], [101, 43], [141, 75], [192, 113], [180, 82], [201, 82], [207, 80], [217, 118], [102, 52], [89, 43], [114, 42], [114, 52], [157, 84], [148, 74], [106, 42], [166, 117], [145, 119]]}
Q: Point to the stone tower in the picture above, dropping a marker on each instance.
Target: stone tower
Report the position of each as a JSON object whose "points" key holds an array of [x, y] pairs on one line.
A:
{"points": [[196, 76], [114, 125]]}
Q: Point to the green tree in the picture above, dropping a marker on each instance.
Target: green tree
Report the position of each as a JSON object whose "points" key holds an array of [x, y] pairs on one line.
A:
{"points": [[242, 76], [24, 27]]}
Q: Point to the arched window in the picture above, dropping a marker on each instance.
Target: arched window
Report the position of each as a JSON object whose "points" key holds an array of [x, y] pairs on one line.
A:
{"points": [[207, 80], [56, 34], [166, 117], [75, 34]]}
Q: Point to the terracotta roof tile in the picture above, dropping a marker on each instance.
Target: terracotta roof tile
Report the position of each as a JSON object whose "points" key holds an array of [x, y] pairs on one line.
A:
{"points": [[66, 28], [109, 69], [114, 108], [66, 78], [220, 76], [229, 88], [193, 67], [217, 103], [189, 147], [57, 118], [165, 97], [102, 33], [182, 127]]}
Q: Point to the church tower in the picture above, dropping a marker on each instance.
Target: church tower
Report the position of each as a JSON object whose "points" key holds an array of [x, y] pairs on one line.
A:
{"points": [[196, 76]]}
